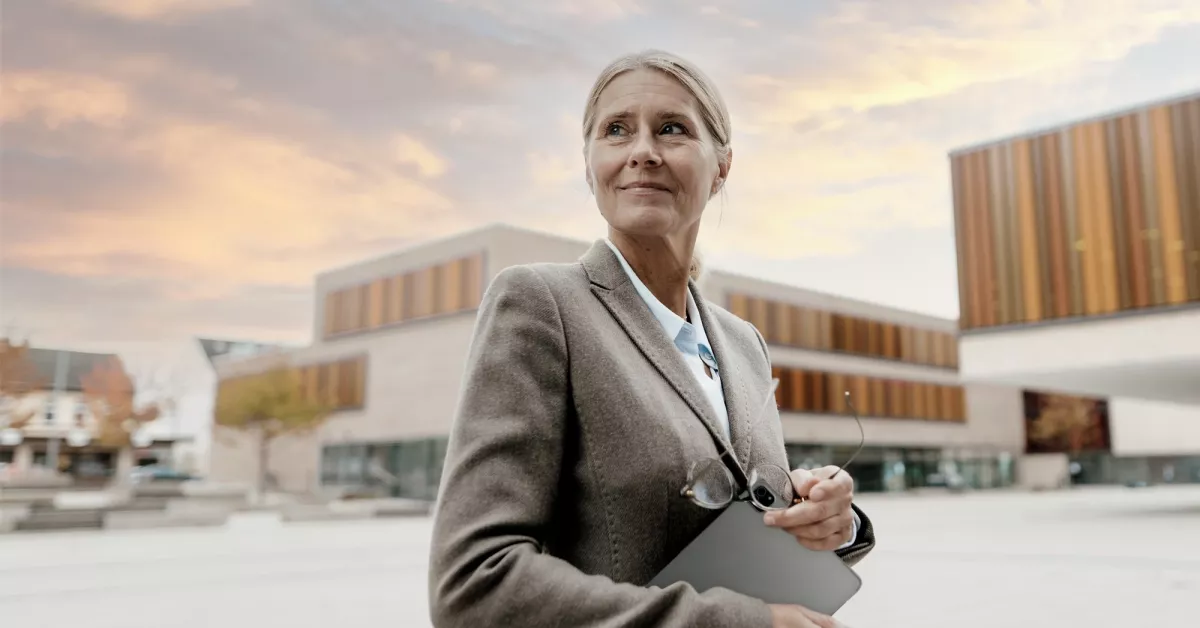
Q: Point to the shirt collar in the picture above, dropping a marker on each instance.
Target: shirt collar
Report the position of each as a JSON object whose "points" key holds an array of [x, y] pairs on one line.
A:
{"points": [[689, 337]]}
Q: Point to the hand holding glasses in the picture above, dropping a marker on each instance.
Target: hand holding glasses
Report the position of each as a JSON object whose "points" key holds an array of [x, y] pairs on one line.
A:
{"points": [[710, 484]]}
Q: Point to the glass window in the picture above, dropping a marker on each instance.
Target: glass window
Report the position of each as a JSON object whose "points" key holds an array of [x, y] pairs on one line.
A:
{"points": [[411, 469]]}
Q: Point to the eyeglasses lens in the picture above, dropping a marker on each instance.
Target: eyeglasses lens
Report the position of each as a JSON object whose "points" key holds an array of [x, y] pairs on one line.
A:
{"points": [[711, 484], [771, 488]]}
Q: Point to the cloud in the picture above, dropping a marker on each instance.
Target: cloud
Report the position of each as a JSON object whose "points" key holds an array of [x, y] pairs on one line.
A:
{"points": [[60, 98], [875, 53], [448, 65], [203, 152], [848, 137], [231, 205], [550, 170], [413, 153], [200, 153], [158, 9], [54, 308], [589, 10]]}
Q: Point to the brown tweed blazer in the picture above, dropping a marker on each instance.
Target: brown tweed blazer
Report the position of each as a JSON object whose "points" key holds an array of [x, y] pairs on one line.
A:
{"points": [[577, 424]]}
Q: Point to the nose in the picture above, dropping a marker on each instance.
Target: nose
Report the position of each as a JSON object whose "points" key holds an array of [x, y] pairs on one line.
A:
{"points": [[645, 152]]}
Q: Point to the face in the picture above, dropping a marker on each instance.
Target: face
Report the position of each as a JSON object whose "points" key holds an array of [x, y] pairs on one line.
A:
{"points": [[651, 162]]}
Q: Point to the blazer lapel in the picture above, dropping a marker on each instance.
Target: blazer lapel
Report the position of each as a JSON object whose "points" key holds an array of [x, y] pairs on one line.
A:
{"points": [[741, 404], [613, 288]]}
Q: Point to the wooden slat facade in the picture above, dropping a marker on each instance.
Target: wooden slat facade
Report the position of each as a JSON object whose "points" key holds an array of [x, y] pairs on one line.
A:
{"points": [[1089, 219], [447, 288], [801, 327], [817, 392]]}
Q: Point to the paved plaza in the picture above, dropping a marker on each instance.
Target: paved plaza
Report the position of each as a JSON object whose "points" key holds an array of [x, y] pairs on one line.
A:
{"points": [[1106, 557]]}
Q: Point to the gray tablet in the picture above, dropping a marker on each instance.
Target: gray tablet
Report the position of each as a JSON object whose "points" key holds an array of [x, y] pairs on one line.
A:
{"points": [[740, 553]]}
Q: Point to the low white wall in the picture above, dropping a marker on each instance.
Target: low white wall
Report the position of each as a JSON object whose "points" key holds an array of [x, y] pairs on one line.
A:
{"points": [[1043, 471], [1153, 428]]}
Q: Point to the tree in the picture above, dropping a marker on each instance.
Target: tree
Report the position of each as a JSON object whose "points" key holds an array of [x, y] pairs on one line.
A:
{"points": [[110, 394], [269, 404], [1064, 423], [18, 377]]}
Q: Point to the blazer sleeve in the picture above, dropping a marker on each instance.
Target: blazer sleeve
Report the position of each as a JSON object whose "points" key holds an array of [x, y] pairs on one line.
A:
{"points": [[864, 542], [489, 565]]}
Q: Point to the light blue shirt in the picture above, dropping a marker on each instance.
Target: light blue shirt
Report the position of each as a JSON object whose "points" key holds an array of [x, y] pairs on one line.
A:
{"points": [[693, 345], [689, 338]]}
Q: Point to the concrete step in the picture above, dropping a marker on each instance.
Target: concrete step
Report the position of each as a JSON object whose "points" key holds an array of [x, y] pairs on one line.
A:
{"points": [[143, 504], [159, 489], [90, 519]]}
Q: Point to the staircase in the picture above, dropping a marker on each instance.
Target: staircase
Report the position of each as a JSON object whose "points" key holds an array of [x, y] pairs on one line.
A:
{"points": [[150, 498], [43, 516]]}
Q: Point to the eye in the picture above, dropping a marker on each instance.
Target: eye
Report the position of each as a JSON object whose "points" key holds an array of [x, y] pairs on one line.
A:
{"points": [[673, 128], [613, 128]]}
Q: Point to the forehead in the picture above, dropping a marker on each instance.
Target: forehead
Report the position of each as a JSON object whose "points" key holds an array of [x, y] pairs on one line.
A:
{"points": [[645, 91]]}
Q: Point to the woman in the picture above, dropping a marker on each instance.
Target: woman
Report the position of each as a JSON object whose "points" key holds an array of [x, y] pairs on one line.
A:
{"points": [[593, 388]]}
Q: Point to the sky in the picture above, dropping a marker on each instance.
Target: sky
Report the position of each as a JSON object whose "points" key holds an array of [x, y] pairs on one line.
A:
{"points": [[179, 168]]}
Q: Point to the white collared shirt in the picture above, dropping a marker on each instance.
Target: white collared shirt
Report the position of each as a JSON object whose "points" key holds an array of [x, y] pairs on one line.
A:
{"points": [[693, 345], [689, 338]]}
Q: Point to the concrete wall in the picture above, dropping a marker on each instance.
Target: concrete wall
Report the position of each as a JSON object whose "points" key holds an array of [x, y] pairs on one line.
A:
{"points": [[1150, 428], [1043, 471], [293, 460], [413, 376], [510, 247], [1152, 355]]}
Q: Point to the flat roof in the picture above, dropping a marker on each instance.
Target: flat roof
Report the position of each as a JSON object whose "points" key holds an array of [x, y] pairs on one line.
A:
{"points": [[1076, 122]]}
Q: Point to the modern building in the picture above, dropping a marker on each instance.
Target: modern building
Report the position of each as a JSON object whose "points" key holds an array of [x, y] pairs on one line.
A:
{"points": [[52, 426], [1079, 272], [391, 340], [196, 393]]}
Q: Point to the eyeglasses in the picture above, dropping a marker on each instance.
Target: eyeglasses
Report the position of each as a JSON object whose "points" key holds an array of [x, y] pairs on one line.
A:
{"points": [[710, 484]]}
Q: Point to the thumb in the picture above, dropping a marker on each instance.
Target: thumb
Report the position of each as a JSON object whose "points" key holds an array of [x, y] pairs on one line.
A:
{"points": [[826, 472], [804, 481]]}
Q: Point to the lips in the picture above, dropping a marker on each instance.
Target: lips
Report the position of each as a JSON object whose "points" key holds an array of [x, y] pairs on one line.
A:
{"points": [[646, 186]]}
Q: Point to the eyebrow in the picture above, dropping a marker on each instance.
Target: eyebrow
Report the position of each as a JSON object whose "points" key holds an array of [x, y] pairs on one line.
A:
{"points": [[621, 115]]}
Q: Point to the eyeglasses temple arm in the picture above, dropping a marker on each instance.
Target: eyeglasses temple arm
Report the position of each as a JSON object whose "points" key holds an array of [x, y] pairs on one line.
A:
{"points": [[862, 436]]}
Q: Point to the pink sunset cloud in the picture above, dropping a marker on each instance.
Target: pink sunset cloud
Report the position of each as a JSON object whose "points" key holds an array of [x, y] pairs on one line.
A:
{"points": [[184, 168]]}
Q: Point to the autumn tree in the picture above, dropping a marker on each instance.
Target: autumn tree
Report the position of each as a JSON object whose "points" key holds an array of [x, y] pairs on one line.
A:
{"points": [[18, 377], [1064, 423], [268, 405], [110, 394]]}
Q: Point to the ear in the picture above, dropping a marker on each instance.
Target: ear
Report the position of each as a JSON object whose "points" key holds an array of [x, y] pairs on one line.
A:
{"points": [[723, 166]]}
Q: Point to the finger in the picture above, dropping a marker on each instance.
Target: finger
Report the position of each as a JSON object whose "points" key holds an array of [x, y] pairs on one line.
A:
{"points": [[824, 489], [803, 480], [835, 526], [827, 544], [818, 619], [807, 513], [800, 514], [804, 489]]}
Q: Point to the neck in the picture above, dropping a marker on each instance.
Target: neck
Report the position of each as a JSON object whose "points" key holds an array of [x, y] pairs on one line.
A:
{"points": [[662, 263]]}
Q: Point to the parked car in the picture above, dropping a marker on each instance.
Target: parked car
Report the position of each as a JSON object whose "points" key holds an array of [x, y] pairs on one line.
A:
{"points": [[154, 473]]}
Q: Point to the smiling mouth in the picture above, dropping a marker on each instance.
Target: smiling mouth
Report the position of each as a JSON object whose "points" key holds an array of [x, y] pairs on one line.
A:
{"points": [[645, 188]]}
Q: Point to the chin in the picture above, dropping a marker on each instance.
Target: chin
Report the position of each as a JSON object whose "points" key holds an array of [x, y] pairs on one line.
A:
{"points": [[644, 220]]}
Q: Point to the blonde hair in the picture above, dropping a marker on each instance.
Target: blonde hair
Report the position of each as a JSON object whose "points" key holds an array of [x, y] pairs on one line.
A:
{"points": [[713, 111]]}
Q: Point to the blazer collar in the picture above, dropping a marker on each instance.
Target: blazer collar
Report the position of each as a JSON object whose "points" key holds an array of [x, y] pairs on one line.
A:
{"points": [[741, 404], [611, 285]]}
